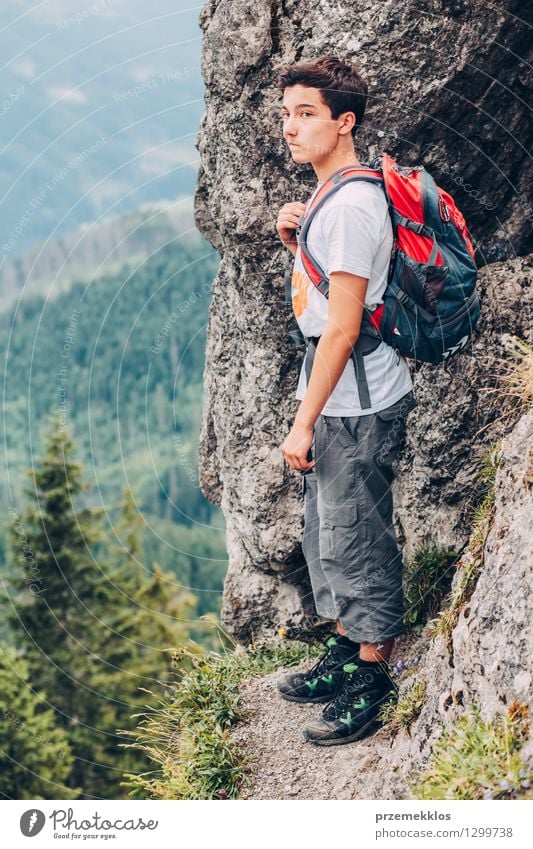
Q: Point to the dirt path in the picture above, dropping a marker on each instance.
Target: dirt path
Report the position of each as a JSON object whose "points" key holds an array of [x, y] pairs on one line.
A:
{"points": [[283, 765]]}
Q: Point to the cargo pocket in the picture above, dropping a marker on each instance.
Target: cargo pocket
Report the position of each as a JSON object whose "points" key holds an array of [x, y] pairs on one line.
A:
{"points": [[338, 529], [338, 431]]}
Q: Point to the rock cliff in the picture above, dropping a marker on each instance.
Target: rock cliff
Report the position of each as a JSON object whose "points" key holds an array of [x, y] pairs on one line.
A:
{"points": [[448, 90]]}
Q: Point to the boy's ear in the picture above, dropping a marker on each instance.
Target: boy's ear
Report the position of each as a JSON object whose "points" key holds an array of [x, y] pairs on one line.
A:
{"points": [[348, 124]]}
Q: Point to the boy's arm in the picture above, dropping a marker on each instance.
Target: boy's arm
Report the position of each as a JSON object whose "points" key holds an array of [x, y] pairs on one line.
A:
{"points": [[346, 301]]}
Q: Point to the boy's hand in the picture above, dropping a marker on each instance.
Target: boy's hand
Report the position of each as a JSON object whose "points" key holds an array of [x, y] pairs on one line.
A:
{"points": [[288, 222], [296, 448]]}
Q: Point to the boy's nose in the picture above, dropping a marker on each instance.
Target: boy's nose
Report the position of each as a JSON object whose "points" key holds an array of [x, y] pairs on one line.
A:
{"points": [[288, 128]]}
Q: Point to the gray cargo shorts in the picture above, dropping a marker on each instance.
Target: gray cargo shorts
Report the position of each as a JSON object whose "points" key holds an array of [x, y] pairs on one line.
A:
{"points": [[355, 566]]}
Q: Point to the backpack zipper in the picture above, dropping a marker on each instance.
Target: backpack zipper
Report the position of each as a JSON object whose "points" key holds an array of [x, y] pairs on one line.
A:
{"points": [[466, 307]]}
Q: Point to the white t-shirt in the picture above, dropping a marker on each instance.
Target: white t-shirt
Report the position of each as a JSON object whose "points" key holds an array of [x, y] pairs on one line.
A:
{"points": [[351, 232]]}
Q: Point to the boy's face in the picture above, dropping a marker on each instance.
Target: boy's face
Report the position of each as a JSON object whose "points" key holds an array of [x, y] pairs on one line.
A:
{"points": [[308, 128]]}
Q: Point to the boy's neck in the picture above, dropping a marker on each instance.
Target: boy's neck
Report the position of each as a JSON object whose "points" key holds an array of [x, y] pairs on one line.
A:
{"points": [[326, 169]]}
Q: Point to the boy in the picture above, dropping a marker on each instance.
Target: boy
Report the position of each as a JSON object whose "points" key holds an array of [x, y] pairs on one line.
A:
{"points": [[349, 544]]}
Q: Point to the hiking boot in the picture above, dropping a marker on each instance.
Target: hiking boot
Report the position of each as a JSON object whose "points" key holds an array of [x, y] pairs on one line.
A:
{"points": [[352, 715], [325, 679]]}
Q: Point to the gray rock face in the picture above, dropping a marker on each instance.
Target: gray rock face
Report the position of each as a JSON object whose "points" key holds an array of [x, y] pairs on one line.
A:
{"points": [[493, 638], [490, 662], [460, 414], [448, 89]]}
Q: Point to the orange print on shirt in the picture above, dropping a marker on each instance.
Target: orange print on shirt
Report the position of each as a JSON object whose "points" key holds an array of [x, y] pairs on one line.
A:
{"points": [[301, 284]]}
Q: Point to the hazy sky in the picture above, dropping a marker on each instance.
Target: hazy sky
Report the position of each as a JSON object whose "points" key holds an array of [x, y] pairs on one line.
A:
{"points": [[115, 81]]}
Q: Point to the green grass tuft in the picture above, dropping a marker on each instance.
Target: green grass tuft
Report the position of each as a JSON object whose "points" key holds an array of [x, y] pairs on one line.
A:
{"points": [[471, 562], [402, 714], [427, 581], [188, 734], [479, 760]]}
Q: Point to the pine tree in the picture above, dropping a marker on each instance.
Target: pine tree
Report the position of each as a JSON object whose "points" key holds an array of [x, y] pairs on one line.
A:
{"points": [[153, 622], [96, 629], [35, 757], [156, 618], [62, 591]]}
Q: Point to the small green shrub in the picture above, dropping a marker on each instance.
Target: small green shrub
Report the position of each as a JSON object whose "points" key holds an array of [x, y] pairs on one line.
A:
{"points": [[188, 734], [478, 760], [470, 568], [471, 562], [483, 512], [427, 580], [402, 714], [517, 372]]}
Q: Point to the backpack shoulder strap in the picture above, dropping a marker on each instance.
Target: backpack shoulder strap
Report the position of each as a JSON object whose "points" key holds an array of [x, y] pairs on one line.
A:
{"points": [[346, 174]]}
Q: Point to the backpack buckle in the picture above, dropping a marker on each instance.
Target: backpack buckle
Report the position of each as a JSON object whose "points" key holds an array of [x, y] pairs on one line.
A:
{"points": [[420, 229], [416, 226]]}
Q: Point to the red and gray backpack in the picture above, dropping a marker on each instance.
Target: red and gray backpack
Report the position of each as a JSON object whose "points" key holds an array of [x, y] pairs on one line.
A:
{"points": [[431, 304]]}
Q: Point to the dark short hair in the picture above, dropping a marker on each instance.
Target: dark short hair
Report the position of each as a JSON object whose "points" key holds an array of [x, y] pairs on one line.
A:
{"points": [[341, 86]]}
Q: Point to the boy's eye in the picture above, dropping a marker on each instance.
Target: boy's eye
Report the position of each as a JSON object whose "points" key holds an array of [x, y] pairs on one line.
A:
{"points": [[285, 115]]}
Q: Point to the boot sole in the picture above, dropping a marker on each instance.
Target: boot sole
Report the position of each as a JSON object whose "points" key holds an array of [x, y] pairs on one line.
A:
{"points": [[305, 700], [367, 729]]}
